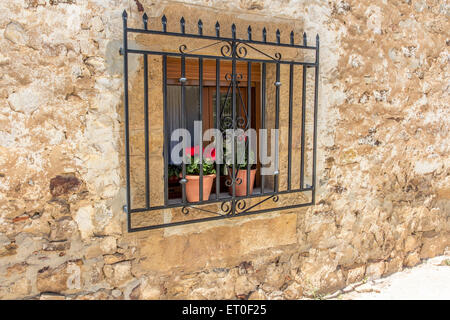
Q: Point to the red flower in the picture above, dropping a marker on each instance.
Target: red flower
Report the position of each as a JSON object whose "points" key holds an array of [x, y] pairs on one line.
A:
{"points": [[211, 154], [242, 137], [192, 151]]}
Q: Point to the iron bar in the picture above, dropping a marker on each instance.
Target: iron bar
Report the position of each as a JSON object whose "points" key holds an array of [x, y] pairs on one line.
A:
{"points": [[183, 181], [291, 89], [166, 132], [303, 133], [316, 95], [146, 133], [212, 201], [218, 37], [147, 164], [263, 113], [188, 55], [233, 143], [200, 86], [126, 122], [217, 123], [277, 125], [249, 120]]}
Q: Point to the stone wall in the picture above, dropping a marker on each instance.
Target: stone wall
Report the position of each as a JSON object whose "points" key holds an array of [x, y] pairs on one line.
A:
{"points": [[383, 154]]}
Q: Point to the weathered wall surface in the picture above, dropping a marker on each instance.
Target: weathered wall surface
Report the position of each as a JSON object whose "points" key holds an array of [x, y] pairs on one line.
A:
{"points": [[383, 200]]}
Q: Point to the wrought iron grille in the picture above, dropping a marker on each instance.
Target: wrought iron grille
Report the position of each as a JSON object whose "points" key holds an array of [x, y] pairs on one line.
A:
{"points": [[235, 50]]}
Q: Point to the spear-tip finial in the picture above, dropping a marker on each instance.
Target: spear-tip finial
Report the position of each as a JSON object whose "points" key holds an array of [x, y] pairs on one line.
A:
{"points": [[182, 24], [249, 31], [305, 40], [164, 23], [264, 34], [233, 30], [145, 20], [217, 29], [124, 14], [278, 36], [292, 37], [200, 27]]}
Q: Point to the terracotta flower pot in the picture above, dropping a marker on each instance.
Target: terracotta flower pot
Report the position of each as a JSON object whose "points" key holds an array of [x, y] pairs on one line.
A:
{"points": [[193, 186], [241, 189]]}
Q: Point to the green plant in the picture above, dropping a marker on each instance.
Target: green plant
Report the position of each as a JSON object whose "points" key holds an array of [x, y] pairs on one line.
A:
{"points": [[208, 162], [194, 167], [173, 170], [248, 155]]}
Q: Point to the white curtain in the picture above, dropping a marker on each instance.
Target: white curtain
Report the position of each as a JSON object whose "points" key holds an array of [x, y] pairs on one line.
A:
{"points": [[192, 105]]}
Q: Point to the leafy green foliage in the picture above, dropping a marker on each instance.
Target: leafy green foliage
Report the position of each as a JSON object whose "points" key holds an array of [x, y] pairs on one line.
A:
{"points": [[194, 167], [173, 170], [241, 160]]}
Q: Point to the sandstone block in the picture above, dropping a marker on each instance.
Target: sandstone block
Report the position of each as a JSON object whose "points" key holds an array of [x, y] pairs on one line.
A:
{"points": [[257, 295], [101, 246], [433, 246], [49, 296], [151, 292], [209, 247], [412, 259], [27, 100], [375, 270], [62, 229], [394, 265], [64, 184], [243, 286], [65, 277], [355, 274], [411, 243], [293, 291], [119, 273], [83, 218], [15, 33]]}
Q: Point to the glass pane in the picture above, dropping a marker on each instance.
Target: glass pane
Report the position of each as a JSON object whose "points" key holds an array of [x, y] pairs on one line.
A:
{"points": [[192, 105], [226, 105]]}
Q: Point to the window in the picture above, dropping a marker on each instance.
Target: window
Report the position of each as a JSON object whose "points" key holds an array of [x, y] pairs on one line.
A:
{"points": [[209, 114], [267, 101]]}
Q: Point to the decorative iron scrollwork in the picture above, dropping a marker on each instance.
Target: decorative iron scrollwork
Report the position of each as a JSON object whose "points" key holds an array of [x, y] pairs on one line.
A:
{"points": [[226, 207], [233, 49], [225, 50], [241, 204], [182, 48], [230, 181], [241, 50]]}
